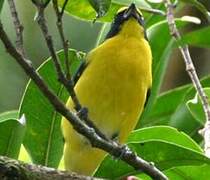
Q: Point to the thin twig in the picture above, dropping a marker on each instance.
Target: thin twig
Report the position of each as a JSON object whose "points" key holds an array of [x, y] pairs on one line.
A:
{"points": [[63, 7], [59, 23], [111, 147], [18, 27], [68, 83], [65, 42], [192, 73], [61, 77], [153, 11]]}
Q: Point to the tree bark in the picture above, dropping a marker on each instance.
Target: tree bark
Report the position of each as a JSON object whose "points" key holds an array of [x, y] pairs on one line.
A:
{"points": [[11, 169]]}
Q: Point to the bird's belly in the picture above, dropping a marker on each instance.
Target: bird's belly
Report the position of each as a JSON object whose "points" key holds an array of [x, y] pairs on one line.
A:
{"points": [[114, 94]]}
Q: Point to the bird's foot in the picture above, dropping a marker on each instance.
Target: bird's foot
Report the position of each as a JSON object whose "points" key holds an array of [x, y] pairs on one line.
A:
{"points": [[83, 113], [124, 150]]}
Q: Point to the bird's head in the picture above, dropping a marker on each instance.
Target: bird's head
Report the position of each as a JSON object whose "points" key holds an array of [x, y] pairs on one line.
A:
{"points": [[128, 21]]}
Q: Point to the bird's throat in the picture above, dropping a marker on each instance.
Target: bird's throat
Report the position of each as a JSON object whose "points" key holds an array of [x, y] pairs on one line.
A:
{"points": [[131, 28]]}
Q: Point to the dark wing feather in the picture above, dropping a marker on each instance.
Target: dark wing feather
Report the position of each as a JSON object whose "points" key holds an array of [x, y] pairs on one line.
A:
{"points": [[79, 72]]}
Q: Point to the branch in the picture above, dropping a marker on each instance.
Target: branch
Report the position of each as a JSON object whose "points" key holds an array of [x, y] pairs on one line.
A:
{"points": [[18, 27], [65, 42], [192, 73], [68, 83], [61, 77], [121, 152], [14, 169], [153, 11]]}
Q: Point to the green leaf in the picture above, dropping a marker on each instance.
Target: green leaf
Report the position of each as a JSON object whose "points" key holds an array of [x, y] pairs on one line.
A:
{"points": [[176, 114], [1, 5], [189, 172], [163, 154], [102, 34], [165, 146], [84, 10], [43, 139], [199, 6], [185, 172], [9, 115], [161, 49], [163, 133], [23, 155], [195, 106], [161, 111], [199, 38], [100, 6], [183, 120], [11, 136]]}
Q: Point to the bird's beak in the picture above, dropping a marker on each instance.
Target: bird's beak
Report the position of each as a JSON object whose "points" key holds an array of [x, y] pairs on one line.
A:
{"points": [[131, 11]]}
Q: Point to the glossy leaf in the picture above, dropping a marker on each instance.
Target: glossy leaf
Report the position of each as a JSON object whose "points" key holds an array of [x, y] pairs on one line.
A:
{"points": [[163, 133], [195, 106], [183, 120], [23, 155], [102, 34], [199, 38], [161, 111], [185, 172], [84, 10], [189, 172], [175, 113], [161, 49], [165, 146], [11, 136], [191, 19], [163, 154], [8, 115], [43, 139]]}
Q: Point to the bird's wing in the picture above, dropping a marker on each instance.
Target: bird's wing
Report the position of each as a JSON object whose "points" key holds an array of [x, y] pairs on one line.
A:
{"points": [[83, 65], [79, 71], [148, 95]]}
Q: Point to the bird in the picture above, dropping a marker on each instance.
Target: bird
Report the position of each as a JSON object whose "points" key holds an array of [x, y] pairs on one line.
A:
{"points": [[113, 84]]}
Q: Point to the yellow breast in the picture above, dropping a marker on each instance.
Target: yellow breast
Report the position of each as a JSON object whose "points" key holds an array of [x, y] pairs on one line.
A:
{"points": [[113, 88]]}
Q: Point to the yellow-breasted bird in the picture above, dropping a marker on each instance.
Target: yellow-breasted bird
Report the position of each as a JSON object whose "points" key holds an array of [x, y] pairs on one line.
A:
{"points": [[113, 86]]}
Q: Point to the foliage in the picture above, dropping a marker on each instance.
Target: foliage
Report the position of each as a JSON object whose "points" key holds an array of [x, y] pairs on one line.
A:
{"points": [[1, 4], [50, 148], [12, 133], [171, 141]]}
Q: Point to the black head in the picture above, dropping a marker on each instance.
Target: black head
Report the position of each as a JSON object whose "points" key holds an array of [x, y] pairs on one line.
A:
{"points": [[123, 15]]}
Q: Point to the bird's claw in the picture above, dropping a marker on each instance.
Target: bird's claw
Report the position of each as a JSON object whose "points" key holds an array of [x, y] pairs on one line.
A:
{"points": [[83, 113]]}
